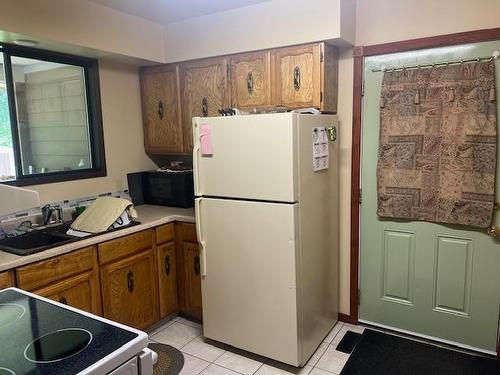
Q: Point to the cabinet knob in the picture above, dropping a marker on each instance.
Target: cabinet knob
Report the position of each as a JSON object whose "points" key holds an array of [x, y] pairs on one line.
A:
{"points": [[130, 281], [250, 82], [63, 300], [296, 78], [161, 111], [167, 265], [196, 265], [204, 107]]}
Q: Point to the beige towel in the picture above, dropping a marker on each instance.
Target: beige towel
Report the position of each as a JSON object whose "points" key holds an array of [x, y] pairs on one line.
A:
{"points": [[101, 214]]}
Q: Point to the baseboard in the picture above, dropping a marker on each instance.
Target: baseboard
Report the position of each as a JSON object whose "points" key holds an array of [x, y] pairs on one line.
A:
{"points": [[348, 319]]}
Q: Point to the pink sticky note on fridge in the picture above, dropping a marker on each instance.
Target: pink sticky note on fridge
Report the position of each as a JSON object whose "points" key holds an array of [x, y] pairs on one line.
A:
{"points": [[206, 142]]}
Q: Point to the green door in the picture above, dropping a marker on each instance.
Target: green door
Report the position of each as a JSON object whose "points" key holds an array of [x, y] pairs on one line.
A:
{"points": [[429, 279]]}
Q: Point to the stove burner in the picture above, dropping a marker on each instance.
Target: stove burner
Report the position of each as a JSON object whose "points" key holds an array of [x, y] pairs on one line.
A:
{"points": [[6, 371], [9, 313], [58, 345]]}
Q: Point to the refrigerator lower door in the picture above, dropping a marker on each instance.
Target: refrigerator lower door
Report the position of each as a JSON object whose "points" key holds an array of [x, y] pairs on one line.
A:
{"points": [[249, 276]]}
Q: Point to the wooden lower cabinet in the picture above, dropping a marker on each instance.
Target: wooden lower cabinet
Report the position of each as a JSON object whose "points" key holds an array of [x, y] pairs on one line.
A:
{"points": [[80, 291], [129, 290], [167, 280], [6, 279], [193, 278]]}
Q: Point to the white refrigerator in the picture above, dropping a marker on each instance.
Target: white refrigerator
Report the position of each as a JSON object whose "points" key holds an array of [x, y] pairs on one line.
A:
{"points": [[267, 225]]}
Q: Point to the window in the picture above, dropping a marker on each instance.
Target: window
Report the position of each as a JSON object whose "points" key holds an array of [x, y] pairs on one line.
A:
{"points": [[50, 117]]}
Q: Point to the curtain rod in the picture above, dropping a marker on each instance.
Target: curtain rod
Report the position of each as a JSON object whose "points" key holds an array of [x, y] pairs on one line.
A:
{"points": [[383, 68]]}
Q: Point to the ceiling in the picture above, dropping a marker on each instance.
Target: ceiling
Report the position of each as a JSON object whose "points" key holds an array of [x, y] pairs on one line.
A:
{"points": [[168, 11]]}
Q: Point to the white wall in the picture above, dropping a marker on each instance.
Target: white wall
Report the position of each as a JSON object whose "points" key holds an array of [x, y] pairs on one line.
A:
{"points": [[270, 24], [89, 26]]}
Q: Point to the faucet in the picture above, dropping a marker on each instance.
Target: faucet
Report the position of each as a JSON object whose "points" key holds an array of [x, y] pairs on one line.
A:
{"points": [[48, 211]]}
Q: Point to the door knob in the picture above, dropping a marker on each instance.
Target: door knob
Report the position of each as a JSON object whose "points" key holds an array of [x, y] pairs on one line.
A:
{"points": [[493, 231]]}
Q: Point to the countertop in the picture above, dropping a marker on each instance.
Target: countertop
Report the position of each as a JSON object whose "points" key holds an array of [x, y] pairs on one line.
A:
{"points": [[149, 216]]}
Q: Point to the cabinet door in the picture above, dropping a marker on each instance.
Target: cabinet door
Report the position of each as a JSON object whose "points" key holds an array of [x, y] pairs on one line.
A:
{"points": [[298, 76], [161, 110], [81, 291], [167, 279], [6, 279], [193, 278], [129, 291], [204, 92], [251, 80]]}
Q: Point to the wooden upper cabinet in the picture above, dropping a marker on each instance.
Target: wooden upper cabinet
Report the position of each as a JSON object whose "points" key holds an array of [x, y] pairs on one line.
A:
{"points": [[204, 90], [251, 80], [306, 76], [161, 110]]}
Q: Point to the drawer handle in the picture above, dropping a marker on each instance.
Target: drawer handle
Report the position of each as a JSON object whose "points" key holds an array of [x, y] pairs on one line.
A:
{"points": [[296, 78], [167, 265], [250, 82], [197, 265], [130, 281], [161, 111], [63, 300], [204, 107]]}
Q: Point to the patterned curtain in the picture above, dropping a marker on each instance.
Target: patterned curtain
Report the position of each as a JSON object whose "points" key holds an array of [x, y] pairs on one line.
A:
{"points": [[437, 145]]}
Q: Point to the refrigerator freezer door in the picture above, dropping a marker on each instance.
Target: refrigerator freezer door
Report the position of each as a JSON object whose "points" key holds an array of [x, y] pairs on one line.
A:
{"points": [[248, 157], [249, 289]]}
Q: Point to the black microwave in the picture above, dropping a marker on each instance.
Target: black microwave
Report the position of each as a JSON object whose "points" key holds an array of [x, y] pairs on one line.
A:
{"points": [[165, 188]]}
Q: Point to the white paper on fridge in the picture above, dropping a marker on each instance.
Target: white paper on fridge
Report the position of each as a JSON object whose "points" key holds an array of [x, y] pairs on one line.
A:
{"points": [[206, 140], [320, 149]]}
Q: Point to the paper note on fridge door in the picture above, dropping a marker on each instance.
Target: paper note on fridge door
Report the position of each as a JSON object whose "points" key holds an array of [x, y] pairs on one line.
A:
{"points": [[320, 154], [206, 140]]}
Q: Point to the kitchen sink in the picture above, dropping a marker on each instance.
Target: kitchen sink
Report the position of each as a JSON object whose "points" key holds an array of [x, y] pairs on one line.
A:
{"points": [[38, 240], [44, 238]]}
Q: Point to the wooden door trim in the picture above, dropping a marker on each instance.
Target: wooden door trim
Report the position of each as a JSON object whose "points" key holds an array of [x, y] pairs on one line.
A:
{"points": [[359, 54]]}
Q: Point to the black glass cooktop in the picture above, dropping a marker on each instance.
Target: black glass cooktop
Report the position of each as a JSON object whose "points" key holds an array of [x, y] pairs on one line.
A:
{"points": [[37, 337]]}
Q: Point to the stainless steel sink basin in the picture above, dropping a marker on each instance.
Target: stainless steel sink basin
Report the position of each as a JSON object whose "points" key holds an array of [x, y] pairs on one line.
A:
{"points": [[38, 240]]}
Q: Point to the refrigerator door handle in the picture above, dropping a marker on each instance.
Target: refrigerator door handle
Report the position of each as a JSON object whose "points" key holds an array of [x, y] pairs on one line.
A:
{"points": [[196, 151], [199, 234]]}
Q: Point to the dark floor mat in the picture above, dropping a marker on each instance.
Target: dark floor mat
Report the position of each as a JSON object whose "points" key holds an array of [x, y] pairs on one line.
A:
{"points": [[380, 353], [348, 342], [170, 360]]}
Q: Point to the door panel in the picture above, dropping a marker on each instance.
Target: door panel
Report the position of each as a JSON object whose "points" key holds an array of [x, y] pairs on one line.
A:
{"points": [[250, 286], [251, 80], [167, 279], [129, 291], [204, 92], [193, 277], [398, 266], [161, 110], [453, 275], [434, 280], [298, 76], [241, 165]]}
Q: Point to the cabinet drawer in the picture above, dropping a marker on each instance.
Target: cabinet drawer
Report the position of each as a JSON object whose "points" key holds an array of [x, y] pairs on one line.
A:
{"points": [[165, 233], [123, 246], [189, 232], [47, 271], [6, 279]]}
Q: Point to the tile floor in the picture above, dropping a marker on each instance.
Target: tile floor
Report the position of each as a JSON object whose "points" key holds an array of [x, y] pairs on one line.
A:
{"points": [[201, 357]]}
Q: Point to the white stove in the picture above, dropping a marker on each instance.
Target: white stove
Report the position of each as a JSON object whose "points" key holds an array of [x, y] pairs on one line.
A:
{"points": [[40, 336]]}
